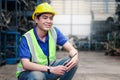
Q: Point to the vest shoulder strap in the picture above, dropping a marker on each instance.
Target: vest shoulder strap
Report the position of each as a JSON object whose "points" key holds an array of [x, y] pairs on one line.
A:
{"points": [[54, 34]]}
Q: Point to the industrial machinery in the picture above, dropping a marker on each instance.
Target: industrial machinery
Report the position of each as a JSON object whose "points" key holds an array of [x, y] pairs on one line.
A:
{"points": [[113, 37], [80, 43], [15, 20], [105, 33], [113, 44], [99, 30]]}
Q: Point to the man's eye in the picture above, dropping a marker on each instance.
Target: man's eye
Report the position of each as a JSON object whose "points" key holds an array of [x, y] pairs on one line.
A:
{"points": [[51, 18], [45, 17]]}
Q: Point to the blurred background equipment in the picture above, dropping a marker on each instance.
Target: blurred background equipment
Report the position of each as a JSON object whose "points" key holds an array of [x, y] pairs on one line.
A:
{"points": [[90, 25], [15, 20], [113, 44]]}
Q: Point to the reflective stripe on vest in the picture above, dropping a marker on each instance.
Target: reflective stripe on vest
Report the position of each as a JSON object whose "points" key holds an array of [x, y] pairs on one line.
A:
{"points": [[36, 52], [32, 50]]}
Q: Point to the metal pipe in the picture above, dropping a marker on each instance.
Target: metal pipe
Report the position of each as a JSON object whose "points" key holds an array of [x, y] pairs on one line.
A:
{"points": [[105, 3], [64, 1], [0, 10], [107, 6], [38, 1], [71, 25], [16, 13]]}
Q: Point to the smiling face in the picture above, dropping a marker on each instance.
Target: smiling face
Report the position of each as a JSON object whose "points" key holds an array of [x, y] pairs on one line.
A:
{"points": [[45, 21]]}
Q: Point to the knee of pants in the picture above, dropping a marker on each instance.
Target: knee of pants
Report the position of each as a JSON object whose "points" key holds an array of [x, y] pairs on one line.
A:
{"points": [[75, 67], [36, 75]]}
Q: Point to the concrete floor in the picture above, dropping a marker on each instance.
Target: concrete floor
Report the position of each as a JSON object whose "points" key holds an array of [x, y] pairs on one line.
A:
{"points": [[92, 66]]}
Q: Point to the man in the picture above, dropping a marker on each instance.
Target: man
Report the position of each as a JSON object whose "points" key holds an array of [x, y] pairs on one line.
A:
{"points": [[38, 50]]}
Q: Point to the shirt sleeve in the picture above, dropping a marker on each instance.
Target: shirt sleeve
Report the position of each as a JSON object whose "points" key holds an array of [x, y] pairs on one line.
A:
{"points": [[24, 51], [61, 39]]}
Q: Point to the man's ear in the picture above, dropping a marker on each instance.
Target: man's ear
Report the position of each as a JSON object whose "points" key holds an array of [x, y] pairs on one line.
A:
{"points": [[36, 19]]}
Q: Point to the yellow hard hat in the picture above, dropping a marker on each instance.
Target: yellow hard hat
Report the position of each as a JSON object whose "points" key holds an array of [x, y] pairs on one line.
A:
{"points": [[43, 8]]}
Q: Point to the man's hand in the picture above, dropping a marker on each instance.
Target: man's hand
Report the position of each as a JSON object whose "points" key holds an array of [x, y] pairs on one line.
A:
{"points": [[58, 70], [73, 62]]}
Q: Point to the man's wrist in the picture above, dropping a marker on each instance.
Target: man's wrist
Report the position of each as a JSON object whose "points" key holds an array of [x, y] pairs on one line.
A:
{"points": [[74, 55], [48, 69]]}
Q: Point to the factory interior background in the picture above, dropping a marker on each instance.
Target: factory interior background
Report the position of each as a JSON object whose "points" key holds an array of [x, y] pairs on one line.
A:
{"points": [[91, 26]]}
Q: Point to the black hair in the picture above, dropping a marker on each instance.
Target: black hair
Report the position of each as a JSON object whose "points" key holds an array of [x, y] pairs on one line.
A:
{"points": [[38, 15]]}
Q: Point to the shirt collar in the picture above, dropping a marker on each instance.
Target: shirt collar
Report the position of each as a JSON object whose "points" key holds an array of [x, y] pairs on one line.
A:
{"points": [[38, 39]]}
